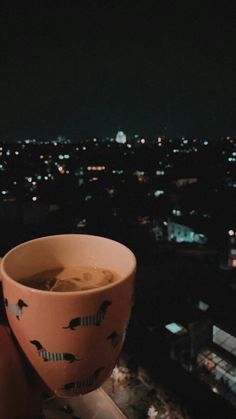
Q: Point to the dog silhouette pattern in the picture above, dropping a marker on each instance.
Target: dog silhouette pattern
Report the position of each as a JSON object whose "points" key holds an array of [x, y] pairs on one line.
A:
{"points": [[15, 309], [53, 356], [116, 338], [90, 320], [83, 385]]}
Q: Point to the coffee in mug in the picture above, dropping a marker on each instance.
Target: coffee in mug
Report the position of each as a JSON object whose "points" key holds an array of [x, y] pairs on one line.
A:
{"points": [[69, 279]]}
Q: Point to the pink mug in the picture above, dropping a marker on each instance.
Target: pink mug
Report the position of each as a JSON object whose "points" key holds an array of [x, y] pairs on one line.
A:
{"points": [[72, 339]]}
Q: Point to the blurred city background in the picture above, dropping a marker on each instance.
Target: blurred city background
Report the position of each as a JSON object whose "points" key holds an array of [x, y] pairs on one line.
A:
{"points": [[172, 201]]}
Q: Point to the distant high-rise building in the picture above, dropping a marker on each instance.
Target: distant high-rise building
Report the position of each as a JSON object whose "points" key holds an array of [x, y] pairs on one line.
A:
{"points": [[121, 137]]}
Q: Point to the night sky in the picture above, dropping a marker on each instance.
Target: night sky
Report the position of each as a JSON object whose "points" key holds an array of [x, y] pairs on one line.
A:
{"points": [[89, 68]]}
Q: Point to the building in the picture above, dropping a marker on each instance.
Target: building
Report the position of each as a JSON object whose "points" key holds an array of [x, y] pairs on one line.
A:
{"points": [[121, 137], [181, 233]]}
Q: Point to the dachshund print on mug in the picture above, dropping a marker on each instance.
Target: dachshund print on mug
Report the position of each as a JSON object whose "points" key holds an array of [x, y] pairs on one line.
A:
{"points": [[91, 319], [116, 338], [79, 387], [16, 309], [53, 356]]}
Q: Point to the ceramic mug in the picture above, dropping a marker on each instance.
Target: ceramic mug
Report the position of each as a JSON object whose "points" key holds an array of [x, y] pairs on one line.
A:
{"points": [[72, 339]]}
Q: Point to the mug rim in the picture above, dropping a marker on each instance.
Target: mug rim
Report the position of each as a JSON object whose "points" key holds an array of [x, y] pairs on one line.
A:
{"points": [[131, 271]]}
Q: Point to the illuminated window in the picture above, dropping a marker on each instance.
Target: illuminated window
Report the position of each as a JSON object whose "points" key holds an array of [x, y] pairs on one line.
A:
{"points": [[219, 368], [175, 328], [224, 340]]}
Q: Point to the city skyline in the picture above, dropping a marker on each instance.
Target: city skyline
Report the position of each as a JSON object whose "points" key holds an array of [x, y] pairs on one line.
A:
{"points": [[90, 70], [171, 201]]}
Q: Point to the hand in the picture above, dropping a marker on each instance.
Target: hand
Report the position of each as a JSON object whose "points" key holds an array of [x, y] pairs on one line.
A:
{"points": [[20, 387]]}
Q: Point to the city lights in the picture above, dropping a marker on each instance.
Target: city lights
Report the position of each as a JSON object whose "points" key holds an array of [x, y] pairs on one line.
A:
{"points": [[118, 121], [150, 189], [175, 328]]}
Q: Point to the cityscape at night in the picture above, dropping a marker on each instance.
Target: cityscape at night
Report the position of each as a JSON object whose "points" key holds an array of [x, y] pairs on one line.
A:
{"points": [[170, 200], [118, 120]]}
